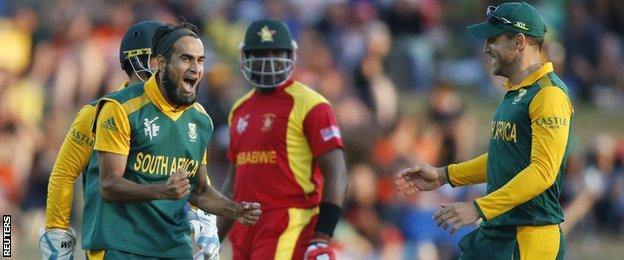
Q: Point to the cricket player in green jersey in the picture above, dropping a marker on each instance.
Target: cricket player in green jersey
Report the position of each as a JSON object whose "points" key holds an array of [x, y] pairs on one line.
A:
{"points": [[58, 239], [527, 153], [151, 141]]}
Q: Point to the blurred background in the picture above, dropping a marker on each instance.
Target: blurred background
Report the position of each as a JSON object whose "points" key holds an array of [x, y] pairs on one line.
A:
{"points": [[407, 83]]}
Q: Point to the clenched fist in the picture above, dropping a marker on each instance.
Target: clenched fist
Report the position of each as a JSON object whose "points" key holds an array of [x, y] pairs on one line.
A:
{"points": [[248, 212], [177, 186]]}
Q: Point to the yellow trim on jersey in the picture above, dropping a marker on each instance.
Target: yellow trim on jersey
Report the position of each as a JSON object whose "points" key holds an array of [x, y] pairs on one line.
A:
{"points": [[204, 159], [238, 103], [469, 172], [152, 91], [200, 108], [297, 147], [96, 254], [550, 112], [134, 104], [532, 78], [298, 219], [112, 128], [538, 242], [72, 159]]}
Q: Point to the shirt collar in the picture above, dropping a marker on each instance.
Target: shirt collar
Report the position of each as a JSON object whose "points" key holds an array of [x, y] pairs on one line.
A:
{"points": [[154, 94], [531, 78], [279, 88]]}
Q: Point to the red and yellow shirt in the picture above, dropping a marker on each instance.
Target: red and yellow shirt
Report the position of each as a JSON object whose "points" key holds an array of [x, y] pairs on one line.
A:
{"points": [[274, 138]]}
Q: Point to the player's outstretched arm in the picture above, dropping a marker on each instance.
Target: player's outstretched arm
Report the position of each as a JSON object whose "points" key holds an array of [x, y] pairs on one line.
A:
{"points": [[208, 199], [420, 177]]}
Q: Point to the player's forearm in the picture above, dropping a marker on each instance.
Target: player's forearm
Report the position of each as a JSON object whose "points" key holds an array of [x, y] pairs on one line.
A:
{"points": [[59, 201], [118, 189], [212, 202], [467, 173], [529, 183]]}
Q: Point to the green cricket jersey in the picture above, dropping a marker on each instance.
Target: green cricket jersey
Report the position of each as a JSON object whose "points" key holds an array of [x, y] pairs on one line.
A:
{"points": [[158, 139], [528, 149]]}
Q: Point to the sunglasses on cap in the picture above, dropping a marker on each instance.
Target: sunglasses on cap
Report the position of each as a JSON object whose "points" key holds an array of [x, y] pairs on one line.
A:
{"points": [[495, 19]]}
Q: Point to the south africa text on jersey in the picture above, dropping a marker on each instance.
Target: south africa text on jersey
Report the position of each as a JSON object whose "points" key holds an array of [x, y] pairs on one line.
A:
{"points": [[164, 165]]}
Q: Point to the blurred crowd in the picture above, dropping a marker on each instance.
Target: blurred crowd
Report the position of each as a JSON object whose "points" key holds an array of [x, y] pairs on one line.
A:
{"points": [[393, 70]]}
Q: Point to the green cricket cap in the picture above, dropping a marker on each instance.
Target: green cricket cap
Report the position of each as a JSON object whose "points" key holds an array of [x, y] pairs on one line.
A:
{"points": [[516, 17], [268, 34]]}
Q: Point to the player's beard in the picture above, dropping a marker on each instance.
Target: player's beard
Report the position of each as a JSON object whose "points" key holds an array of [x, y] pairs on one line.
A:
{"points": [[173, 92]]}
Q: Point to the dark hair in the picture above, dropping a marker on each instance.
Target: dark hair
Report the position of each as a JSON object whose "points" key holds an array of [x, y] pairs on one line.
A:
{"points": [[163, 31], [535, 41], [127, 68]]}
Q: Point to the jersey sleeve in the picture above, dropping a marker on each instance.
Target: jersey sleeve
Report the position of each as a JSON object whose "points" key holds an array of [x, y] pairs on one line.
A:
{"points": [[72, 159], [550, 112], [468, 172], [321, 129], [112, 132]]}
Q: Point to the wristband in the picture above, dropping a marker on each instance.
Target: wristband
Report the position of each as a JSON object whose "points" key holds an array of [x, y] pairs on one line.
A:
{"points": [[329, 214]]}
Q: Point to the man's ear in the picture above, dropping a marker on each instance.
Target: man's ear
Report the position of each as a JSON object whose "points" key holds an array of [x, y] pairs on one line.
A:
{"points": [[521, 40], [161, 62]]}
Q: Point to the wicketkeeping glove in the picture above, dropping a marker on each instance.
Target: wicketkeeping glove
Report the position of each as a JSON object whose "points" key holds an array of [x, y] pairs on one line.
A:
{"points": [[205, 234], [57, 243]]}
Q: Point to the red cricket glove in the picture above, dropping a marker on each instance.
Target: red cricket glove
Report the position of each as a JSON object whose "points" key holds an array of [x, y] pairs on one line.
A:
{"points": [[319, 249]]}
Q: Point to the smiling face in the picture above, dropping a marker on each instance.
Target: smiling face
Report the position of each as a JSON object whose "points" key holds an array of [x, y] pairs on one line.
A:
{"points": [[503, 53], [182, 71]]}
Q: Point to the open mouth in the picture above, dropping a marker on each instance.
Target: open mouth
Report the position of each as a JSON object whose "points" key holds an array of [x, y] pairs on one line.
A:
{"points": [[189, 84]]}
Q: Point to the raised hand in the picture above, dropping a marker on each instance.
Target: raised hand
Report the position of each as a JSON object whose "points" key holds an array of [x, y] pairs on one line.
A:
{"points": [[177, 186], [248, 212], [420, 177]]}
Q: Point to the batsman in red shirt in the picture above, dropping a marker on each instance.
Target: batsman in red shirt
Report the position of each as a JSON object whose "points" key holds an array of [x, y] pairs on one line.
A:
{"points": [[285, 153]]}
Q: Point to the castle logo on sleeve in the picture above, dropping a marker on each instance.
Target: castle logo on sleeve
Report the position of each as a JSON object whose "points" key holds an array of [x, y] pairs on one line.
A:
{"points": [[330, 132]]}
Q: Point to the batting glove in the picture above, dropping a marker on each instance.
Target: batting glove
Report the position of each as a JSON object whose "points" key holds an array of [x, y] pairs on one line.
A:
{"points": [[319, 249], [57, 243], [205, 234]]}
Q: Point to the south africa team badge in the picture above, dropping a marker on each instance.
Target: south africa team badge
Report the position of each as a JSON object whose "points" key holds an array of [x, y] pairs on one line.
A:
{"points": [[192, 132]]}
